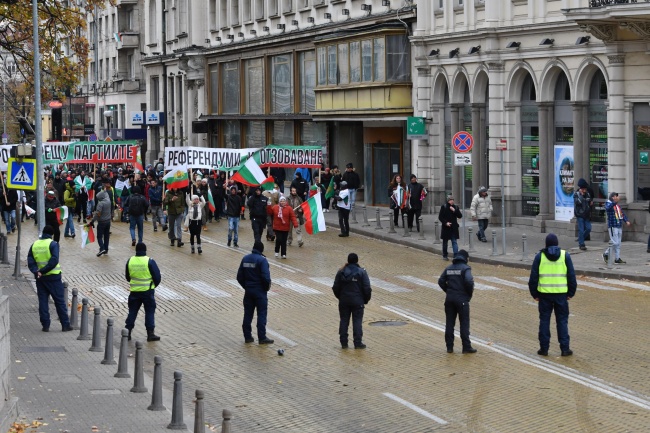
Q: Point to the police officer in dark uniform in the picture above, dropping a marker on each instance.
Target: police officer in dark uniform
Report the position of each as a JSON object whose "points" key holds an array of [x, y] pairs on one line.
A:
{"points": [[457, 282], [144, 276], [43, 262], [254, 276], [352, 289], [257, 204]]}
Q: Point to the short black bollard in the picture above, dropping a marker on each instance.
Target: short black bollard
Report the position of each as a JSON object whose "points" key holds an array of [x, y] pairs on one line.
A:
{"points": [[2, 243], [365, 217], [97, 329], [494, 243], [156, 392], [138, 374], [610, 255], [378, 226], [524, 247], [406, 234], [199, 420], [108, 349], [470, 231], [177, 404], [226, 425], [83, 331], [391, 222], [436, 239], [421, 229], [122, 365], [74, 314], [5, 252]]}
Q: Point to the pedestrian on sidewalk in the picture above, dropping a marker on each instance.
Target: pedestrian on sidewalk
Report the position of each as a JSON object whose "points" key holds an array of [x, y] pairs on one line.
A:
{"points": [[416, 194], [458, 284], [196, 206], [174, 209], [396, 194], [582, 203], [257, 204], [137, 205], [481, 210], [343, 203], [255, 278], [103, 216], [283, 217], [234, 203], [295, 200], [615, 220], [552, 284], [353, 181], [143, 275], [43, 262], [352, 289], [448, 216]]}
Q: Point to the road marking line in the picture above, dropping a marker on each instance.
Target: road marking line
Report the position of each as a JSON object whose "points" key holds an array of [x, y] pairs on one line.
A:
{"points": [[479, 286], [631, 285], [589, 381], [116, 292], [244, 252], [296, 287], [325, 281], [290, 342], [389, 287], [415, 408], [598, 286], [206, 289], [497, 280], [419, 282], [168, 294], [236, 284]]}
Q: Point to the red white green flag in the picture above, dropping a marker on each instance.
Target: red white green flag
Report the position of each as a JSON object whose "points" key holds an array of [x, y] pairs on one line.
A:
{"points": [[252, 175], [331, 192], [61, 214], [87, 236], [139, 168], [313, 212], [177, 178], [211, 204], [400, 197]]}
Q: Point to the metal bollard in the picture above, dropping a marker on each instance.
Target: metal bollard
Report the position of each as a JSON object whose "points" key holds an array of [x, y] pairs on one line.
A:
{"points": [[226, 424], [199, 419], [421, 226], [436, 239], [177, 404], [156, 392], [610, 255], [391, 216], [83, 330], [353, 211], [122, 365], [524, 247], [470, 231], [138, 374], [365, 217], [108, 349], [378, 227], [406, 229], [97, 329], [494, 243], [74, 314], [5, 252]]}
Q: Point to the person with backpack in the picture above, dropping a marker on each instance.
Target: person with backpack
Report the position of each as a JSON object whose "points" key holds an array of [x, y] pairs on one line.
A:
{"points": [[137, 205], [352, 289]]}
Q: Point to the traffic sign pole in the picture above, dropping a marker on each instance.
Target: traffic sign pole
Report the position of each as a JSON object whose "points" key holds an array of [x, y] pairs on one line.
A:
{"points": [[40, 190], [503, 199]]}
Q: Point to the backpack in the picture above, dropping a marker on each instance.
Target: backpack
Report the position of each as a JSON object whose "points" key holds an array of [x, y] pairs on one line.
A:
{"points": [[137, 205]]}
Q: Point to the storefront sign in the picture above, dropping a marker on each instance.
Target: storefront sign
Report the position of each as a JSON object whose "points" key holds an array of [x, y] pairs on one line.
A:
{"points": [[564, 183], [137, 118], [416, 128], [154, 118]]}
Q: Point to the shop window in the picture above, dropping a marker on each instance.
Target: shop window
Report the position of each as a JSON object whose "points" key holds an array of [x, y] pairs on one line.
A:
{"points": [[230, 86], [281, 84], [343, 64], [255, 134], [214, 89], [254, 86], [355, 62]]}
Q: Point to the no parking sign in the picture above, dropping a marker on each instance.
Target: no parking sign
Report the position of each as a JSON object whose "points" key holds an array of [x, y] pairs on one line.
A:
{"points": [[462, 142]]}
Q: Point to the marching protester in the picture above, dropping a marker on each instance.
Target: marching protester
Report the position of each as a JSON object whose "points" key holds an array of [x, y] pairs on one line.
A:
{"points": [[43, 262], [82, 184], [416, 194], [481, 211], [257, 204], [255, 278], [51, 203], [325, 179], [396, 188], [143, 276], [9, 202], [301, 185], [283, 218], [196, 211], [174, 209], [103, 215], [448, 216], [273, 197], [295, 200], [137, 205], [155, 200], [70, 201], [234, 204], [343, 203], [352, 289]]}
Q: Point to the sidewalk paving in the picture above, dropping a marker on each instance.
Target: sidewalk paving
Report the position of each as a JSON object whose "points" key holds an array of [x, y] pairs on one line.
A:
{"points": [[586, 263]]}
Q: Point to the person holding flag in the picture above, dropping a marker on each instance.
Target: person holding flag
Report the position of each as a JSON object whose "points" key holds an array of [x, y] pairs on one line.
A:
{"points": [[174, 205], [196, 207], [343, 203], [397, 195], [257, 204], [51, 205], [283, 217], [312, 211], [83, 185]]}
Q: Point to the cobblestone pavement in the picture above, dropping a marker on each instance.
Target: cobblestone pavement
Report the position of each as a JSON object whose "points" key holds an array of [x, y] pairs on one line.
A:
{"points": [[405, 381]]}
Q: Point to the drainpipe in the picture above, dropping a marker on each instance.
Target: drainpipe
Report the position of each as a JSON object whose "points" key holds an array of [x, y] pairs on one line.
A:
{"points": [[164, 68]]}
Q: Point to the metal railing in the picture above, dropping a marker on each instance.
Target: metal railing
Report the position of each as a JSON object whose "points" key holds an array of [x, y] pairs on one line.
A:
{"points": [[603, 3]]}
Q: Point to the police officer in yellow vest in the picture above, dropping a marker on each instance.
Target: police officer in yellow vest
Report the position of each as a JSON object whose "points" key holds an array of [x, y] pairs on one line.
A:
{"points": [[43, 262], [144, 276], [552, 283]]}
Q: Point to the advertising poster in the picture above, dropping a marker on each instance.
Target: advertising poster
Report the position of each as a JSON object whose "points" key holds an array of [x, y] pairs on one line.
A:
{"points": [[563, 174]]}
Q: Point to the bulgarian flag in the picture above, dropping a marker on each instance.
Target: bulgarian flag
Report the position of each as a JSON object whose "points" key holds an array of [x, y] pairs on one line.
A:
{"points": [[61, 214], [211, 204], [313, 190], [138, 164], [251, 174], [400, 197], [330, 189], [177, 177], [87, 236], [120, 185], [87, 183], [313, 213]]}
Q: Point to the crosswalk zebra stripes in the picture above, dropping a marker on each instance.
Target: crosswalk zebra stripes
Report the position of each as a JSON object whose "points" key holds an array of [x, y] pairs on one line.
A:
{"points": [[206, 289]]}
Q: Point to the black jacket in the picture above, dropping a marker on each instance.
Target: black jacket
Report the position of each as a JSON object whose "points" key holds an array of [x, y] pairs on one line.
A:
{"points": [[301, 185], [257, 206], [457, 281], [253, 273], [234, 203], [352, 178], [415, 192], [447, 216], [352, 286]]}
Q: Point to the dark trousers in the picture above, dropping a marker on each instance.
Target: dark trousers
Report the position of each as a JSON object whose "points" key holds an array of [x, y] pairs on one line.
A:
{"points": [[458, 309], [281, 242], [413, 213], [559, 304], [396, 215], [195, 231], [356, 311], [82, 205], [252, 301], [258, 224], [54, 288], [344, 215], [482, 226], [136, 300], [103, 235]]}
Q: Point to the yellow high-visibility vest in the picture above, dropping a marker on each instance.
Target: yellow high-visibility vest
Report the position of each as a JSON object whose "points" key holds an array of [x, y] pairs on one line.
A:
{"points": [[141, 279], [552, 275], [42, 255]]}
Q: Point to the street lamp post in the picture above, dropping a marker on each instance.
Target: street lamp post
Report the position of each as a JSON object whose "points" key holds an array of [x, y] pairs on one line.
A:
{"points": [[40, 197]]}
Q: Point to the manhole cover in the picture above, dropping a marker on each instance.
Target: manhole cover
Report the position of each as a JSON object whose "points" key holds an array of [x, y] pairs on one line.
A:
{"points": [[388, 323]]}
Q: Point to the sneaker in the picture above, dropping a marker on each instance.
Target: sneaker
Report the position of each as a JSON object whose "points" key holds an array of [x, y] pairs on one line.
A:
{"points": [[583, 248], [445, 258], [619, 261], [236, 245], [450, 350], [155, 229], [277, 254], [67, 329], [266, 340], [542, 352], [133, 242], [249, 340], [360, 346], [172, 242], [301, 243], [284, 257], [180, 244], [605, 257], [100, 253], [66, 236], [73, 235], [469, 350], [228, 243], [567, 352]]}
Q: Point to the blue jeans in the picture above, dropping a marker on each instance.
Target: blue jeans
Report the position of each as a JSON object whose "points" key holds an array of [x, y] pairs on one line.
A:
{"points": [[139, 221], [353, 197], [584, 229], [233, 228], [51, 286], [560, 304], [252, 301], [69, 225], [10, 219], [136, 300], [454, 246], [482, 226]]}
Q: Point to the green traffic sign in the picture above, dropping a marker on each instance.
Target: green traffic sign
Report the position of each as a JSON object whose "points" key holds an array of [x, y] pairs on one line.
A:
{"points": [[416, 128]]}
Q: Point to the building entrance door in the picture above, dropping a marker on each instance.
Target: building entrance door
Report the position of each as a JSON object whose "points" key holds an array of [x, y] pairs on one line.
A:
{"points": [[386, 163]]}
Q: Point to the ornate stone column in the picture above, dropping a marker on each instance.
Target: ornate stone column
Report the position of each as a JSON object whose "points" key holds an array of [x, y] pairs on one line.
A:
{"points": [[546, 161], [580, 141], [616, 143]]}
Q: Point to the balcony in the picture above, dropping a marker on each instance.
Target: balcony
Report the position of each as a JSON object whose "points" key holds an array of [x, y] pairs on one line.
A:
{"points": [[126, 86], [129, 41], [119, 3], [603, 3]]}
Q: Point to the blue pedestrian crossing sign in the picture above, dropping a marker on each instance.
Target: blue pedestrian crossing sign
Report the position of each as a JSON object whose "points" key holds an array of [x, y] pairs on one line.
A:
{"points": [[21, 173]]}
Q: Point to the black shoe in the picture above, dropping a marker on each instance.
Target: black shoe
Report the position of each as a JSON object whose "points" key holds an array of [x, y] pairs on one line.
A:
{"points": [[155, 229], [583, 248], [133, 242], [66, 236], [67, 329], [360, 346], [172, 242], [344, 235], [44, 329], [200, 251], [469, 350], [249, 340], [542, 352], [266, 341], [620, 261], [73, 235], [100, 253], [236, 245], [450, 350], [151, 336], [445, 258], [165, 227], [180, 244], [605, 257], [228, 243], [344, 345], [567, 352]]}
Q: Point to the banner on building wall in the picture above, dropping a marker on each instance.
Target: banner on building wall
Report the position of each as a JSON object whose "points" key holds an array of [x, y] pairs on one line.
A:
{"points": [[231, 159], [94, 152], [564, 180]]}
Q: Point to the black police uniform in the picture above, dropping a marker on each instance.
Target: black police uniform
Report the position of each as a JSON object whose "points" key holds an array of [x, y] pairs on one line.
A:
{"points": [[352, 289], [257, 207], [457, 282]]}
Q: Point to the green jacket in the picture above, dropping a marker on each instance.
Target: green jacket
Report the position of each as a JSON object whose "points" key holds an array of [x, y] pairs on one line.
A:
{"points": [[69, 197], [174, 207]]}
